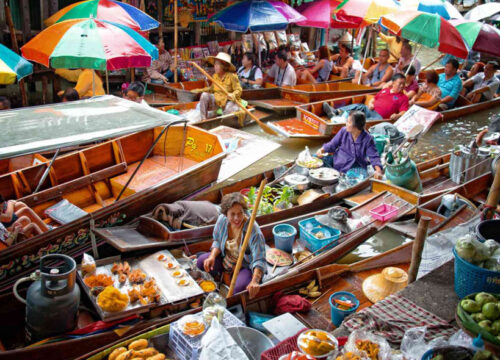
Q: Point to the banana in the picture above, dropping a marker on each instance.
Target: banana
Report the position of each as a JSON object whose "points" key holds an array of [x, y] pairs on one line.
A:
{"points": [[138, 344], [314, 294], [314, 289], [303, 291], [311, 285]]}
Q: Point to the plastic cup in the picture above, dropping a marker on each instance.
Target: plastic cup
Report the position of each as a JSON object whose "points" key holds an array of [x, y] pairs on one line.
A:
{"points": [[338, 315]]}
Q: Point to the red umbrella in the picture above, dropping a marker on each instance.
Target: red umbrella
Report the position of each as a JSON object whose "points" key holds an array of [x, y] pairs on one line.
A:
{"points": [[319, 15]]}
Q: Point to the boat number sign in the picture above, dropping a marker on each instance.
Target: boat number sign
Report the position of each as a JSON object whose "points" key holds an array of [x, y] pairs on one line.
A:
{"points": [[310, 121]]}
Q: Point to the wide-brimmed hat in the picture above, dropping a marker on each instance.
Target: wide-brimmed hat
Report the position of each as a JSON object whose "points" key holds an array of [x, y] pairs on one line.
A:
{"points": [[222, 56], [335, 218], [388, 282]]}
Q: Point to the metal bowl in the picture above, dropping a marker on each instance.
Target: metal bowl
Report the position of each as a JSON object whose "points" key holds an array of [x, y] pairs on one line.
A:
{"points": [[297, 181], [324, 176], [251, 341]]}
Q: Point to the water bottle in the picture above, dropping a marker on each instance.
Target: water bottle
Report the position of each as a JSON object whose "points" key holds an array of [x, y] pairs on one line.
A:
{"points": [[478, 343]]}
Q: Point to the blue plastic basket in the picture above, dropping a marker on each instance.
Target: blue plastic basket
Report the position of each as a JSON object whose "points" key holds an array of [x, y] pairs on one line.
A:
{"points": [[311, 241], [470, 278], [284, 243]]}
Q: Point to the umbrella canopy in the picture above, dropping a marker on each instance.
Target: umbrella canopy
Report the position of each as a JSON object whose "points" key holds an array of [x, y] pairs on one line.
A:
{"points": [[90, 44], [319, 15], [364, 12], [483, 11], [478, 36], [257, 15], [110, 10], [440, 7], [12, 66], [427, 29]]}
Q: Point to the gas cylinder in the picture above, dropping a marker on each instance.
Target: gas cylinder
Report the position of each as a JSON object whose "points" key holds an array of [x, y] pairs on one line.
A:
{"points": [[404, 175], [52, 299]]}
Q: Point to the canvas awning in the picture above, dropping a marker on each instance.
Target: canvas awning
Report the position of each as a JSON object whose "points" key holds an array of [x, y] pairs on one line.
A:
{"points": [[48, 127]]}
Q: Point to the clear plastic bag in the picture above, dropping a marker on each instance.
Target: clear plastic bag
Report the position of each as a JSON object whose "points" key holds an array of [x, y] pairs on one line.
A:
{"points": [[247, 42], [218, 344], [351, 346], [413, 345], [281, 37], [88, 265], [259, 41], [271, 40]]}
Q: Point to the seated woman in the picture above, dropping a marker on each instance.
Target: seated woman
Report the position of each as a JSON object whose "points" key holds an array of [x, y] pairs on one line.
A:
{"points": [[429, 94], [343, 61], [155, 73], [352, 147], [15, 214], [378, 74], [213, 98], [229, 232], [250, 75], [321, 71]]}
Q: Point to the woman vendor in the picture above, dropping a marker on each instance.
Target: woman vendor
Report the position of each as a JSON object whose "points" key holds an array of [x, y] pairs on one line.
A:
{"points": [[17, 215], [213, 98], [229, 232], [352, 147]]}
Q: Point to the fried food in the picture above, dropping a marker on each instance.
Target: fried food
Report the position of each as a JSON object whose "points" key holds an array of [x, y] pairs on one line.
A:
{"points": [[120, 268], [370, 348], [137, 276], [316, 343], [147, 293], [98, 280], [112, 300]]}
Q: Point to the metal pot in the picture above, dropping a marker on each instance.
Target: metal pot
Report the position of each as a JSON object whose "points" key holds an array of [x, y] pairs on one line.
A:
{"points": [[324, 176], [297, 181]]}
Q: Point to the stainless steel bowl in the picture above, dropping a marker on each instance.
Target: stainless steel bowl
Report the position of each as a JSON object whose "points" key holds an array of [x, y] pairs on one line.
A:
{"points": [[297, 181], [324, 176]]}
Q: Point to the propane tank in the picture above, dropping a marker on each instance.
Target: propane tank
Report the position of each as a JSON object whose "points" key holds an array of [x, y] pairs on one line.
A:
{"points": [[52, 300]]}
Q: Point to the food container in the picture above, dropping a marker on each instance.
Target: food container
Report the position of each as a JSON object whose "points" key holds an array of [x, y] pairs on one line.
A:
{"points": [[192, 325], [318, 343], [338, 314], [314, 163], [384, 212], [297, 181], [324, 176], [282, 241], [309, 229]]}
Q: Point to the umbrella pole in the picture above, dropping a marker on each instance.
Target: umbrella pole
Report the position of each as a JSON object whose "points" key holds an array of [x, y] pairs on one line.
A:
{"points": [[413, 59], [366, 54], [176, 33], [93, 82], [107, 82]]}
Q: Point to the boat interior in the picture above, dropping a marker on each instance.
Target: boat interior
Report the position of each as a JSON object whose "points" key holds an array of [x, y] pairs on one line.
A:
{"points": [[20, 162]]}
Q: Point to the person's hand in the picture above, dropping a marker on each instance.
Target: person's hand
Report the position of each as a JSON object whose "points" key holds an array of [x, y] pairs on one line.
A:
{"points": [[231, 97], [394, 116], [320, 153], [253, 289], [378, 174], [371, 106], [60, 93], [411, 102], [208, 264]]}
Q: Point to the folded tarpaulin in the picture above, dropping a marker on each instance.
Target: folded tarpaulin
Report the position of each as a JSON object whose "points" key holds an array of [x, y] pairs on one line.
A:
{"points": [[48, 127]]}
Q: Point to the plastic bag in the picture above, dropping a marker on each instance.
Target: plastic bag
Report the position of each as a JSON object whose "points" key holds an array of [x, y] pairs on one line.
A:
{"points": [[305, 156], [281, 37], [413, 345], [351, 346], [304, 47], [247, 42], [88, 265], [218, 344], [259, 41], [270, 37]]}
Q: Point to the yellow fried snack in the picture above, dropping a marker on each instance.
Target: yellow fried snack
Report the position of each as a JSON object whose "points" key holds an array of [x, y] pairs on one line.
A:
{"points": [[159, 356], [127, 355], [145, 353], [112, 300], [114, 354], [138, 344]]}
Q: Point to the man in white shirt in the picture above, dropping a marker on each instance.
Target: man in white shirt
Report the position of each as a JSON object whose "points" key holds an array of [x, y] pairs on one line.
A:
{"points": [[282, 73], [485, 84], [405, 59]]}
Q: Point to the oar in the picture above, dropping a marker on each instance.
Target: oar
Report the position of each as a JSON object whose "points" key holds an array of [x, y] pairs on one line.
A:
{"points": [[432, 63], [247, 239], [264, 127]]}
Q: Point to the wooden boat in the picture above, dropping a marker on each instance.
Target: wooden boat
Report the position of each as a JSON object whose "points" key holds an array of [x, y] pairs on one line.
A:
{"points": [[20, 162], [465, 107], [235, 120], [312, 123], [145, 224], [92, 179]]}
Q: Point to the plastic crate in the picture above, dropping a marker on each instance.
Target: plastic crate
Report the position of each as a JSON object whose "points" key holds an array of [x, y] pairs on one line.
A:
{"points": [[470, 278], [313, 243], [384, 212], [189, 348], [285, 347]]}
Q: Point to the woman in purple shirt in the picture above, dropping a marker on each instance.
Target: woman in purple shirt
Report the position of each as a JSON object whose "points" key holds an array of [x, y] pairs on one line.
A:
{"points": [[353, 146]]}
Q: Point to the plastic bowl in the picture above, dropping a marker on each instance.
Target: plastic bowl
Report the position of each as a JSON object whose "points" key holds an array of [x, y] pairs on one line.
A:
{"points": [[325, 356]]}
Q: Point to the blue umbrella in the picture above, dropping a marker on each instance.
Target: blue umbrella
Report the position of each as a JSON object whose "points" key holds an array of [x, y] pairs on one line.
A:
{"points": [[256, 15], [12, 66], [439, 7]]}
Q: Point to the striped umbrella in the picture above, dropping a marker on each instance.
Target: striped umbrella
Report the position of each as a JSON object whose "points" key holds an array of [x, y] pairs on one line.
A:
{"points": [[440, 7], [430, 30], [110, 10], [12, 66], [480, 37], [364, 12], [90, 44]]}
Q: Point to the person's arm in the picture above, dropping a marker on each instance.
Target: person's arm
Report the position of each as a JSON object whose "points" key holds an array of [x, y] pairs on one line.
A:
{"points": [[319, 65], [9, 212], [237, 89], [258, 265], [426, 103], [468, 83], [374, 157], [402, 109], [215, 249], [454, 93], [258, 78], [332, 146], [84, 84], [386, 38], [387, 77], [371, 103]]}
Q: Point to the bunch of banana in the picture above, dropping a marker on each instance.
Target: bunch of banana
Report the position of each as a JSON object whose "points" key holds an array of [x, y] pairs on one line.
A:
{"points": [[311, 290]]}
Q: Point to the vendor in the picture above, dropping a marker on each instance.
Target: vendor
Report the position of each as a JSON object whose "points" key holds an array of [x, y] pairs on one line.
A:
{"points": [[155, 73], [229, 232], [17, 215], [89, 84], [250, 75], [352, 147], [212, 97], [135, 93]]}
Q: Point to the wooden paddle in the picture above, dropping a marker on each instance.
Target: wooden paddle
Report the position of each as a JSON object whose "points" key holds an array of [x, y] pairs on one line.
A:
{"points": [[264, 127], [244, 246]]}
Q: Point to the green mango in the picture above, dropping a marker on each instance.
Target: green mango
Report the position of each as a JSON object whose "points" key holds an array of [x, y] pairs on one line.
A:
{"points": [[470, 306], [482, 355], [491, 311], [484, 298], [486, 325], [496, 326], [478, 317]]}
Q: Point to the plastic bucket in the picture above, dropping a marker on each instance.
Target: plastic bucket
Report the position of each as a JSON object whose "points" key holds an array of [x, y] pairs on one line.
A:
{"points": [[488, 229], [338, 315], [281, 242]]}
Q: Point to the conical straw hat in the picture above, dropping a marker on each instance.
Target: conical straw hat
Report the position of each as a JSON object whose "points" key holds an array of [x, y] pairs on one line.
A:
{"points": [[388, 282]]}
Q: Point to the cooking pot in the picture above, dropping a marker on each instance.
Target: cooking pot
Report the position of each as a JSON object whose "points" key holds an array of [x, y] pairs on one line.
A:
{"points": [[324, 176], [297, 181]]}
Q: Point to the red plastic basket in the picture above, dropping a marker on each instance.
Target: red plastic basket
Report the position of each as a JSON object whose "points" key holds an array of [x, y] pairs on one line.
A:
{"points": [[283, 348]]}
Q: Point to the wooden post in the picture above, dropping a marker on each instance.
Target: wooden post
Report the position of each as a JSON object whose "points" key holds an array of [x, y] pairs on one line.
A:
{"points": [[44, 11], [26, 24], [493, 196], [176, 39], [3, 23], [53, 6], [418, 246], [247, 239], [197, 33], [15, 48], [160, 18]]}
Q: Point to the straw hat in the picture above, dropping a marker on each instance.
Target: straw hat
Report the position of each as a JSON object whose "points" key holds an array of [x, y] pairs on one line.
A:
{"points": [[345, 39], [310, 195], [389, 281], [222, 56]]}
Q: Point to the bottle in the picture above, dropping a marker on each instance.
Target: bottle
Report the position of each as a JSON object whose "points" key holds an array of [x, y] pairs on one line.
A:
{"points": [[478, 343]]}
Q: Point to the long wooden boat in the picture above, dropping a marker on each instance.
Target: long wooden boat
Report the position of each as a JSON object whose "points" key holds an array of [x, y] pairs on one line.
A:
{"points": [[182, 161], [311, 122], [464, 107], [145, 224], [235, 120], [20, 162]]}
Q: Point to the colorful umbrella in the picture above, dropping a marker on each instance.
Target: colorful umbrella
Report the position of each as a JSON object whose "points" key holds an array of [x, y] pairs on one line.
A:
{"points": [[12, 66], [110, 10], [364, 12], [319, 15], [440, 7], [90, 44], [480, 37], [257, 15], [483, 11], [426, 29]]}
